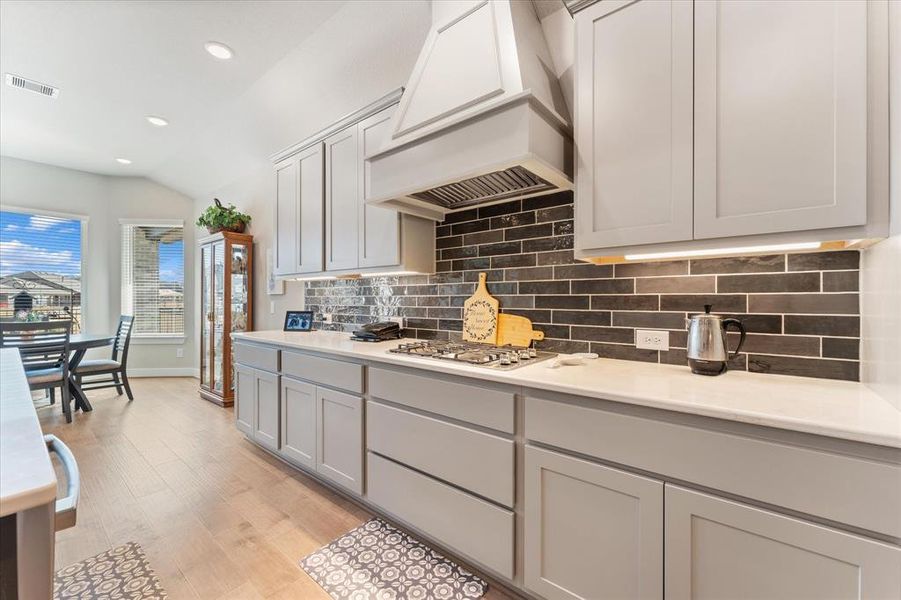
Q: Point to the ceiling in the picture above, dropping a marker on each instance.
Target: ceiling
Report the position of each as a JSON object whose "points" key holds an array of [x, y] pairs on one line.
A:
{"points": [[116, 62]]}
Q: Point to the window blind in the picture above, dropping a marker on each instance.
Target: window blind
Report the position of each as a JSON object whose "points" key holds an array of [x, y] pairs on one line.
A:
{"points": [[153, 278], [40, 266]]}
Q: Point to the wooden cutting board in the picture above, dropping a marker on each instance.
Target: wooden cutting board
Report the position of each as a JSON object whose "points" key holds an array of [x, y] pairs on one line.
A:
{"points": [[516, 331], [480, 315]]}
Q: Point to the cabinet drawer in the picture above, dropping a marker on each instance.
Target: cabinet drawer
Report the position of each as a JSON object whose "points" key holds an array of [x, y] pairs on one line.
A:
{"points": [[260, 357], [842, 488], [325, 371], [477, 529], [483, 406], [479, 462]]}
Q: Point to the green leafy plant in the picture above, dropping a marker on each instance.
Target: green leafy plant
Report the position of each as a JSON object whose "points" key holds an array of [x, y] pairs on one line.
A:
{"points": [[220, 218]]}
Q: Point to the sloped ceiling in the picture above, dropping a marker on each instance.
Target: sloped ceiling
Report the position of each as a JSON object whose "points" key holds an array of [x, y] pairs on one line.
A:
{"points": [[298, 66]]}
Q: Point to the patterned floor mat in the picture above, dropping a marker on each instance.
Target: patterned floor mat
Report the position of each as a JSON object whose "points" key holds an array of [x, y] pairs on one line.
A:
{"points": [[376, 561], [121, 573]]}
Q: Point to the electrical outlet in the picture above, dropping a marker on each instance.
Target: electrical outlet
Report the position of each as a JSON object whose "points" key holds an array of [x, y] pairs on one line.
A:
{"points": [[652, 339], [272, 307], [326, 318], [398, 320], [179, 353]]}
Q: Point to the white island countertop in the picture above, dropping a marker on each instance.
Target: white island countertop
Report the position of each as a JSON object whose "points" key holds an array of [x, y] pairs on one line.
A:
{"points": [[27, 478], [838, 409]]}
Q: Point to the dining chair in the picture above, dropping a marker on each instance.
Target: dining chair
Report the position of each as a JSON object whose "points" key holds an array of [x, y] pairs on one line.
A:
{"points": [[44, 348], [114, 367]]}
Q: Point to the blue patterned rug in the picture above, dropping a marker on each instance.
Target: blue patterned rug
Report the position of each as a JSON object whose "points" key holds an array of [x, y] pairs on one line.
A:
{"points": [[376, 561]]}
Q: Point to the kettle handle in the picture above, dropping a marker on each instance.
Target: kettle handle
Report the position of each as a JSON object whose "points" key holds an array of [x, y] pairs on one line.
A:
{"points": [[741, 329]]}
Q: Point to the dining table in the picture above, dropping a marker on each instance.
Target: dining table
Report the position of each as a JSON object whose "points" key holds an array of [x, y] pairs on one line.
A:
{"points": [[79, 344]]}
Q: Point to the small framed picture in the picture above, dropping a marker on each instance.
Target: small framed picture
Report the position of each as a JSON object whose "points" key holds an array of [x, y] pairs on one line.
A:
{"points": [[299, 320]]}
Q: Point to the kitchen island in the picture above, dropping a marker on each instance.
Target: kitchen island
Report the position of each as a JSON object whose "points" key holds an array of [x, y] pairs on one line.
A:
{"points": [[609, 479]]}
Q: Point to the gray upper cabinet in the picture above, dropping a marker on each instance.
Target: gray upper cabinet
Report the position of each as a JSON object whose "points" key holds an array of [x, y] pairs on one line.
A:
{"points": [[718, 549], [379, 227], [759, 121], [591, 531], [633, 123], [342, 215], [780, 116], [322, 222], [286, 205], [299, 213], [298, 422], [339, 434]]}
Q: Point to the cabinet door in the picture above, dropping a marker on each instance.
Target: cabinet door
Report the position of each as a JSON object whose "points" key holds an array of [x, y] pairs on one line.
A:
{"points": [[245, 388], [286, 232], [379, 227], [718, 549], [342, 197], [266, 409], [298, 422], [339, 434], [310, 210], [591, 531], [780, 116], [633, 123]]}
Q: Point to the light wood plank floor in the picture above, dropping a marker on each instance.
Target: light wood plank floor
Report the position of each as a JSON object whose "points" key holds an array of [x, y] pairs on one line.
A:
{"points": [[217, 517]]}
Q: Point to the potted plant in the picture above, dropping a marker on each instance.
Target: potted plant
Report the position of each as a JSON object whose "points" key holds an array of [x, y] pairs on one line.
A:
{"points": [[218, 218]]}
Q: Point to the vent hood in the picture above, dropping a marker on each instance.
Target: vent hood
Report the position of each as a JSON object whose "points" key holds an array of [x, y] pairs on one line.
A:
{"points": [[482, 119]]}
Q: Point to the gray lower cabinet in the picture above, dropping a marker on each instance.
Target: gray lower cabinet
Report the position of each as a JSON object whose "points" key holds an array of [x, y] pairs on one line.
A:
{"points": [[590, 531], [716, 549], [266, 409], [339, 434], [244, 392], [298, 422]]}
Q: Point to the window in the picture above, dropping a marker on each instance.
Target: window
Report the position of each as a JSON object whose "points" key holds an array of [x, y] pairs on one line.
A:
{"points": [[153, 277], [40, 266]]}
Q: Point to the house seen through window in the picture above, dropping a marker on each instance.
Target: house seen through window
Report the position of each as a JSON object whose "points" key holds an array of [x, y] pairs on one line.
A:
{"points": [[40, 267], [153, 278]]}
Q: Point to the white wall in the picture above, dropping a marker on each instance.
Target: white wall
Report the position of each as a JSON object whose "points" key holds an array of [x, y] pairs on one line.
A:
{"points": [[362, 53], [105, 200], [880, 273]]}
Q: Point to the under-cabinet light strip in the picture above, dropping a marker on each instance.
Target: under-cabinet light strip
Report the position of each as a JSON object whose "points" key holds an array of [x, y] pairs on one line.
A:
{"points": [[716, 251]]}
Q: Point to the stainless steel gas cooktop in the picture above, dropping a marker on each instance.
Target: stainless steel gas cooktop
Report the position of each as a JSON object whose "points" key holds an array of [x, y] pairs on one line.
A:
{"points": [[482, 355]]}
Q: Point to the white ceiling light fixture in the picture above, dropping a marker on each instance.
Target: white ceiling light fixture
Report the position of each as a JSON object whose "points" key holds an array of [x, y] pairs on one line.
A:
{"points": [[219, 50], [123, 161], [156, 121]]}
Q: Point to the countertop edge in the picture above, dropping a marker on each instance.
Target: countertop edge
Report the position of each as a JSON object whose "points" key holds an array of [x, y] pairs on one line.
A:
{"points": [[508, 377]]}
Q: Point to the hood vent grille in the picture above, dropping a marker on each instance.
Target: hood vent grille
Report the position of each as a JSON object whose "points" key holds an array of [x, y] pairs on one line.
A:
{"points": [[499, 185], [31, 85]]}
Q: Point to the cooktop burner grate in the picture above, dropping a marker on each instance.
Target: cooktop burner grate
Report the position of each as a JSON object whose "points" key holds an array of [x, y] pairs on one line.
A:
{"points": [[481, 355]]}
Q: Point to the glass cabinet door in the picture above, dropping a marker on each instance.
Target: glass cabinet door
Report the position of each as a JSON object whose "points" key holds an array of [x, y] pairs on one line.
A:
{"points": [[239, 255], [218, 314], [206, 311]]}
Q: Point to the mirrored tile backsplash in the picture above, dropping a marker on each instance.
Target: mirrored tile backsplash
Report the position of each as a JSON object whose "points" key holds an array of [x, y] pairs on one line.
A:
{"points": [[801, 310]]}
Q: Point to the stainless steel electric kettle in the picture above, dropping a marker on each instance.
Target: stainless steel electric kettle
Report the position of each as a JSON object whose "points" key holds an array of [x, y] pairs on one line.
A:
{"points": [[708, 349]]}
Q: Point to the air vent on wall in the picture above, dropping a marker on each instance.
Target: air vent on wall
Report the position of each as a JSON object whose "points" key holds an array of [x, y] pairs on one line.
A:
{"points": [[17, 81]]}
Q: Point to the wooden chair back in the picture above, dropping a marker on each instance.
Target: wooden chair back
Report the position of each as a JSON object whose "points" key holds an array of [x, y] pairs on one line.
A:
{"points": [[42, 345], [123, 339]]}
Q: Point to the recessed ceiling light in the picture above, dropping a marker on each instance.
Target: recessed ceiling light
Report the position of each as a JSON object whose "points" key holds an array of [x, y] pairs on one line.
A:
{"points": [[123, 161], [220, 51], [156, 121]]}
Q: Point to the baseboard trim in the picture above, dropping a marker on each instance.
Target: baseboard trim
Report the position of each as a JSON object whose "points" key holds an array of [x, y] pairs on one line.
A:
{"points": [[165, 372]]}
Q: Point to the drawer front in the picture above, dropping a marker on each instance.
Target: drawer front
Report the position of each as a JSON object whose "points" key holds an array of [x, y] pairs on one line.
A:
{"points": [[323, 371], [474, 404], [479, 462], [259, 357], [477, 529], [846, 489]]}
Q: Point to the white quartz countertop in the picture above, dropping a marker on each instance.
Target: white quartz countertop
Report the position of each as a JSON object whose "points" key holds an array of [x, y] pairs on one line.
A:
{"points": [[838, 409], [27, 478]]}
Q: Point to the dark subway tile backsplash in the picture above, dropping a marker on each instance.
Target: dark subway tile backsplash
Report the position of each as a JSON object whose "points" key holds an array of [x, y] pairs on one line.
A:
{"points": [[801, 311]]}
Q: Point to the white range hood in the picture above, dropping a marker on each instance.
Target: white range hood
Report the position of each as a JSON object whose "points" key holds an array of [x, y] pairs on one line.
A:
{"points": [[482, 119]]}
